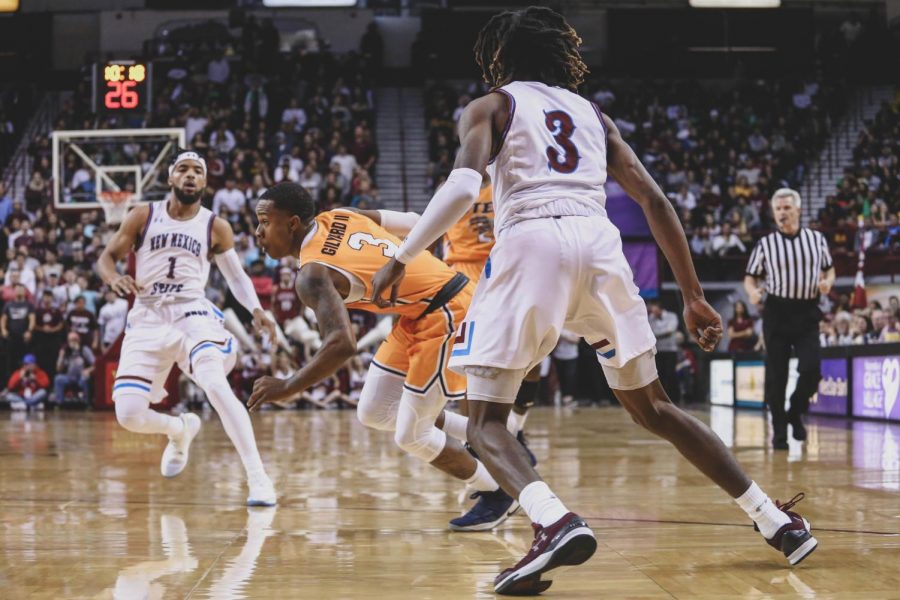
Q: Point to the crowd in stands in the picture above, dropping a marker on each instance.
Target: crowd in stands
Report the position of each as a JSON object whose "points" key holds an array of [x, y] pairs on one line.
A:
{"points": [[718, 154], [843, 324], [259, 116], [870, 188]]}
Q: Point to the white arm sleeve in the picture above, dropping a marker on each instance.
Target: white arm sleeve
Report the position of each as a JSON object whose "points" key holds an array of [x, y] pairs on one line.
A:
{"points": [[447, 206], [398, 223], [238, 281]]}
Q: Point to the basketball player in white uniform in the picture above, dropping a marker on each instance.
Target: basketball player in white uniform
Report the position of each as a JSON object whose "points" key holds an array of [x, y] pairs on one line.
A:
{"points": [[558, 263], [173, 322]]}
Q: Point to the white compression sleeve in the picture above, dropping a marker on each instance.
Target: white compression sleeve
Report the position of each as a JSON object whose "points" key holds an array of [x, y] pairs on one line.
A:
{"points": [[447, 206], [238, 281], [398, 223]]}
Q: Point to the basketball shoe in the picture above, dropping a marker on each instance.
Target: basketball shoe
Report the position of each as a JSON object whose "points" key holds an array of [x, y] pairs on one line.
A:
{"points": [[175, 456], [262, 492], [794, 540], [569, 541], [491, 509]]}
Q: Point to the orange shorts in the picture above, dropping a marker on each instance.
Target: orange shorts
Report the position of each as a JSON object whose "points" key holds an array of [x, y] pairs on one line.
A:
{"points": [[419, 349], [471, 269]]}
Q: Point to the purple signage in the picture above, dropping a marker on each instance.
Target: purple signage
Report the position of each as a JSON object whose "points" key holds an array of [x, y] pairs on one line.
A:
{"points": [[629, 218], [832, 396], [876, 386]]}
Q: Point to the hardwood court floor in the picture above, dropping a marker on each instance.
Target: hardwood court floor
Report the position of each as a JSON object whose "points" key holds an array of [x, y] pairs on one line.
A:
{"points": [[85, 513]]}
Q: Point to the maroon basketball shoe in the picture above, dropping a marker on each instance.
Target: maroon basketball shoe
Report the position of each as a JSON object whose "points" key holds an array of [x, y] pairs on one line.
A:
{"points": [[793, 539], [569, 541]]}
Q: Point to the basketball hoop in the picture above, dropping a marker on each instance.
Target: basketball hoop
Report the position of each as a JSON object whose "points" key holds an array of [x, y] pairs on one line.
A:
{"points": [[115, 204]]}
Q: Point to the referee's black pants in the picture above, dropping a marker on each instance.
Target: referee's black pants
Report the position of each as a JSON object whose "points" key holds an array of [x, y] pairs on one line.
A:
{"points": [[790, 324]]}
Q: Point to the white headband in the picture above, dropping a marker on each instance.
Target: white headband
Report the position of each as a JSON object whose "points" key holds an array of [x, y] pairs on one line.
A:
{"points": [[188, 155]]}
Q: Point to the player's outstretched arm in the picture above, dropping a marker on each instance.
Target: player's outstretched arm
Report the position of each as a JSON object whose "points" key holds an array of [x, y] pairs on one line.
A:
{"points": [[453, 199], [237, 279], [316, 289], [703, 322], [117, 249]]}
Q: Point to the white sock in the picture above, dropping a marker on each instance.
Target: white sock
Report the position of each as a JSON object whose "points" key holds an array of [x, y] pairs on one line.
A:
{"points": [[768, 517], [234, 416], [481, 480], [515, 422], [455, 425], [541, 504]]}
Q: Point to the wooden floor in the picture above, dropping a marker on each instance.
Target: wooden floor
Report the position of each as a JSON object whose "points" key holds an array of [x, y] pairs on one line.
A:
{"points": [[85, 513]]}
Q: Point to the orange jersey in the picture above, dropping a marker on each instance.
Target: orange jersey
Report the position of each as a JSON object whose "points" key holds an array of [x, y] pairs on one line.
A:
{"points": [[357, 246], [464, 242]]}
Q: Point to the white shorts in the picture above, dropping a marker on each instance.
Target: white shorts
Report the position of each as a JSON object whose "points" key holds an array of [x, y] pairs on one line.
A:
{"points": [[547, 274], [176, 333]]}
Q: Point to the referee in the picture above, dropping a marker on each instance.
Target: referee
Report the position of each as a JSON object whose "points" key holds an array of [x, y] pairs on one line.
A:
{"points": [[797, 267]]}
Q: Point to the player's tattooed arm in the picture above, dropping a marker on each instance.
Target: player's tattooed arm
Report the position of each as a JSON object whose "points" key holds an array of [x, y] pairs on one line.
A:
{"points": [[317, 290], [126, 238], [703, 322]]}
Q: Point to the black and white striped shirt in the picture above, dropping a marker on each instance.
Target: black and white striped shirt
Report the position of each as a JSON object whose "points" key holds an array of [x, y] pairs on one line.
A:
{"points": [[792, 264]]}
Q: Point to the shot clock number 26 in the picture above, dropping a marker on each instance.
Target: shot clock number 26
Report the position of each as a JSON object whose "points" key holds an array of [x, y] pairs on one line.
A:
{"points": [[122, 86]]}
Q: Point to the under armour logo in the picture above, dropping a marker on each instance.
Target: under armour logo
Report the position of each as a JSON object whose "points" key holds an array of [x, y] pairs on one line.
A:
{"points": [[537, 543]]}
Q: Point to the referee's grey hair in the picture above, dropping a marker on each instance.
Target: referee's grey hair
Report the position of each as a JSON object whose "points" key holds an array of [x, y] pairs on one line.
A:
{"points": [[785, 192]]}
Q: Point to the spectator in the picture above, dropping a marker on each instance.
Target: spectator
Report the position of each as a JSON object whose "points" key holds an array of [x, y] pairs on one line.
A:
{"points": [[112, 319], [74, 368], [345, 161], [218, 70], [701, 245], [48, 331], [28, 385], [294, 116], [727, 243], [6, 204], [229, 202], [285, 171], [83, 322], [64, 293], [25, 272], [17, 327], [741, 335], [311, 180], [664, 325]]}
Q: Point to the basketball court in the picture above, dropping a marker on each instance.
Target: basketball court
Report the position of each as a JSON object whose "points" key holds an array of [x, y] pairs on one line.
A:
{"points": [[86, 514]]}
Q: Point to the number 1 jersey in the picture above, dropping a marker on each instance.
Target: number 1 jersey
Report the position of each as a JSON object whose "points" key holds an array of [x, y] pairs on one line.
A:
{"points": [[357, 247], [172, 257], [552, 156]]}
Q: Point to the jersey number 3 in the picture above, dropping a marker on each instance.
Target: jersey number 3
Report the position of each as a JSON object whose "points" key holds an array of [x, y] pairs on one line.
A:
{"points": [[360, 238], [560, 124]]}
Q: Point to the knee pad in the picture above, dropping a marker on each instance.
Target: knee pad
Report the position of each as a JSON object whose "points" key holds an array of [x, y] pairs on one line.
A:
{"points": [[638, 372], [379, 399], [416, 434], [490, 384]]}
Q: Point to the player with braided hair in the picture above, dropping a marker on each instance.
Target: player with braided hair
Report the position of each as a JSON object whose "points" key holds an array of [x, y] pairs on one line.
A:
{"points": [[558, 264]]}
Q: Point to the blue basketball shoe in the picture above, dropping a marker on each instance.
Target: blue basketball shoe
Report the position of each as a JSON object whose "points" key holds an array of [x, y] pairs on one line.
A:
{"points": [[491, 510]]}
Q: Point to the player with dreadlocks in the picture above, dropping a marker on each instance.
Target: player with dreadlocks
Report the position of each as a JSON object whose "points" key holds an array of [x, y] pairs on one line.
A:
{"points": [[558, 263]]}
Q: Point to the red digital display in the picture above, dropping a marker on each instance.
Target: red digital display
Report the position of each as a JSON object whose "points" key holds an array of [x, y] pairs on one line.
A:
{"points": [[124, 86]]}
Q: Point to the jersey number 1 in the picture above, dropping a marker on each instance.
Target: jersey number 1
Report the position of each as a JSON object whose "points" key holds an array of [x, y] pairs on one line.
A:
{"points": [[560, 124], [171, 274]]}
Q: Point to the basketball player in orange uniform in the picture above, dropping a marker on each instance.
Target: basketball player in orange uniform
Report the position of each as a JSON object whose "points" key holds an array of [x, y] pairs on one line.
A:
{"points": [[408, 383]]}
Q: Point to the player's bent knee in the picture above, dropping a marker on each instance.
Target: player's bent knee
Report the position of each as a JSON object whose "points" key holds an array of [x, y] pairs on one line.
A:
{"points": [[131, 411], [379, 400], [637, 373], [416, 434]]}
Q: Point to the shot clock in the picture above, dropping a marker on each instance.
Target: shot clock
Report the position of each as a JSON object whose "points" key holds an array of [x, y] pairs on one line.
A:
{"points": [[122, 86]]}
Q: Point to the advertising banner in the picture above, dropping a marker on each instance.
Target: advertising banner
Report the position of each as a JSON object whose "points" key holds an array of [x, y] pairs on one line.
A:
{"points": [[833, 393], [876, 385]]}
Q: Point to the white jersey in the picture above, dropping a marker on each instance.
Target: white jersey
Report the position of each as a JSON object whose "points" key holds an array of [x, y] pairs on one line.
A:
{"points": [[552, 157], [173, 256]]}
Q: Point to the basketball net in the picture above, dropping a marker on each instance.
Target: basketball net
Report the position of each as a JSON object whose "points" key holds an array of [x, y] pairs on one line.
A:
{"points": [[115, 205]]}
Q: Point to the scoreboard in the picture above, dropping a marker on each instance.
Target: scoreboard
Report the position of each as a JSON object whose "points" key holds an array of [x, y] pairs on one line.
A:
{"points": [[122, 86]]}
